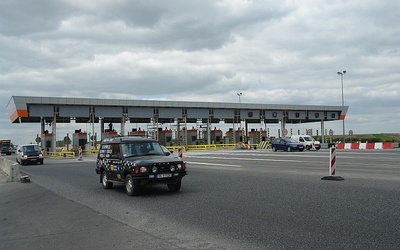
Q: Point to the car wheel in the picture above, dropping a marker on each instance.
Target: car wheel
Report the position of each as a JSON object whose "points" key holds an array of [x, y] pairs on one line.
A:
{"points": [[131, 188], [175, 187], [308, 147], [289, 149], [41, 162], [274, 149], [104, 181]]}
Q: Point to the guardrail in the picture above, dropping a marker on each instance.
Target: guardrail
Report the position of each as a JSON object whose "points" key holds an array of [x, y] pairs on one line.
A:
{"points": [[222, 146], [61, 154], [175, 148], [209, 147], [202, 147], [90, 152]]}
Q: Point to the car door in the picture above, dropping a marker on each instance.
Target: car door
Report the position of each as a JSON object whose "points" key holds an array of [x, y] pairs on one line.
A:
{"points": [[115, 162], [281, 144]]}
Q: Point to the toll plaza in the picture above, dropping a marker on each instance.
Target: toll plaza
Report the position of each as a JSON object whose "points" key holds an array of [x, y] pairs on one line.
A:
{"points": [[190, 123]]}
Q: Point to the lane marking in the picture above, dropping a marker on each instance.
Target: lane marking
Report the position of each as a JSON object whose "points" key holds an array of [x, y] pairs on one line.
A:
{"points": [[244, 159], [214, 164]]}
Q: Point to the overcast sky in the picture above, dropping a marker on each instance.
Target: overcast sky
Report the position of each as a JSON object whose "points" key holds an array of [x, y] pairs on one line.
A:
{"points": [[274, 52]]}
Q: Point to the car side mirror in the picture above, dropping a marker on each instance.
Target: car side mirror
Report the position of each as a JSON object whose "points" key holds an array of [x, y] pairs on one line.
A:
{"points": [[167, 153]]}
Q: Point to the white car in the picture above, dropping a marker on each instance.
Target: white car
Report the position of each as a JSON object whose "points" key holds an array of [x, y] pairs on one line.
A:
{"points": [[307, 141], [29, 153]]}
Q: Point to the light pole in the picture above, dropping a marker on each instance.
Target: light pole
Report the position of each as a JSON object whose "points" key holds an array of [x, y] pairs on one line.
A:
{"points": [[238, 121], [341, 78], [239, 94]]}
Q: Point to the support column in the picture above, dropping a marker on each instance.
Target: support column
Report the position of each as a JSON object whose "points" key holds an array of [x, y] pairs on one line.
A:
{"points": [[54, 133], [208, 132], [101, 128], [42, 123], [322, 131], [123, 120]]}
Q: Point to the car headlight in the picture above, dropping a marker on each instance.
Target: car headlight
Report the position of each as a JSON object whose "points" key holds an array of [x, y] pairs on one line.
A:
{"points": [[24, 156], [140, 170], [181, 166]]}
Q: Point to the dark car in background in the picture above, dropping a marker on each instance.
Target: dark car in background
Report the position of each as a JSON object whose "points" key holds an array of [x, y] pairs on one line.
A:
{"points": [[286, 144]]}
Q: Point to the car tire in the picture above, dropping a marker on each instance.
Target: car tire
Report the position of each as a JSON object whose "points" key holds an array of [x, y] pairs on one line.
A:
{"points": [[41, 162], [274, 149], [175, 187], [131, 188], [104, 181], [308, 147]]}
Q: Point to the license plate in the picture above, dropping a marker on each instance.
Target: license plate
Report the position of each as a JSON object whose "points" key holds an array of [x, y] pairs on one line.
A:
{"points": [[164, 175]]}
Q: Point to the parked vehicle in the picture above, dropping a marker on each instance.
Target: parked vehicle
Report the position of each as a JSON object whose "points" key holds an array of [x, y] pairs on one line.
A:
{"points": [[138, 162], [286, 144], [30, 153], [307, 141]]}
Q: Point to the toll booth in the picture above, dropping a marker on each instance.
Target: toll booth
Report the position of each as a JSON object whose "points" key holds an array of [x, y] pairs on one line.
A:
{"points": [[165, 137], [79, 139], [47, 140], [136, 132], [257, 136], [192, 136], [234, 136], [108, 134], [216, 136]]}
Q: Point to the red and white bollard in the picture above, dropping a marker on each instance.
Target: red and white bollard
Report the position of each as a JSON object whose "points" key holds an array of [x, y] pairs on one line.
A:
{"points": [[332, 167], [180, 153], [332, 161], [80, 154]]}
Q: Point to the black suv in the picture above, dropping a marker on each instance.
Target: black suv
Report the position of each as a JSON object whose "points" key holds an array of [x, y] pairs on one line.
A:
{"points": [[138, 162]]}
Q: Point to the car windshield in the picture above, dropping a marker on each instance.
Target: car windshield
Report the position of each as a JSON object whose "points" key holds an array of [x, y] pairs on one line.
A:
{"points": [[132, 149], [307, 138], [30, 148], [290, 140]]}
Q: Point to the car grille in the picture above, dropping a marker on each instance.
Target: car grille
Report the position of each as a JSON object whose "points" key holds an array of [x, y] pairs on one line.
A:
{"points": [[164, 167]]}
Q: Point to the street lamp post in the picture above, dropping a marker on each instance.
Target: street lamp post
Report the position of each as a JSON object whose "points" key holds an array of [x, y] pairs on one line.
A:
{"points": [[238, 121], [239, 94], [341, 78]]}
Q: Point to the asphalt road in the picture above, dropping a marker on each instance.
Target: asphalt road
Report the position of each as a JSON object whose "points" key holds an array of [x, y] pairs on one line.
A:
{"points": [[240, 199]]}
